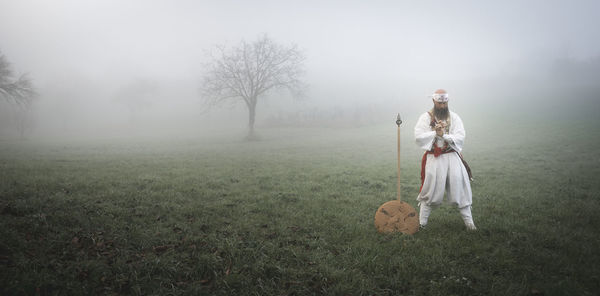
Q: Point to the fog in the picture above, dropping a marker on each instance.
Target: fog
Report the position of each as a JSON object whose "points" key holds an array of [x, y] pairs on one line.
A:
{"points": [[123, 68]]}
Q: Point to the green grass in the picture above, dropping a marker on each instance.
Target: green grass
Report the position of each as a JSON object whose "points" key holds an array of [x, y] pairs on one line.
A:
{"points": [[293, 214]]}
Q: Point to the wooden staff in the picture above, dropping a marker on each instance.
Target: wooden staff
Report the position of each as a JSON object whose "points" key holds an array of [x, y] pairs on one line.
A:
{"points": [[399, 122]]}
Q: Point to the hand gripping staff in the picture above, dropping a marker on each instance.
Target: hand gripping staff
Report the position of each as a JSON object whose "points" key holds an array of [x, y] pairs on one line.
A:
{"points": [[396, 215]]}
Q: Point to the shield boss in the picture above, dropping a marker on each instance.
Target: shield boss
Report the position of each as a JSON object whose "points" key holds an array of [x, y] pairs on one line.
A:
{"points": [[395, 216]]}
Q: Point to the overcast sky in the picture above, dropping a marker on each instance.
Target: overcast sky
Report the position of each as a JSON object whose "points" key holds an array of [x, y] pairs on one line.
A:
{"points": [[357, 49]]}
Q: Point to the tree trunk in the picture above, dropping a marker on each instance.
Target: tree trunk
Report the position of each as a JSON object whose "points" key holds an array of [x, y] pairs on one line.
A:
{"points": [[251, 119]]}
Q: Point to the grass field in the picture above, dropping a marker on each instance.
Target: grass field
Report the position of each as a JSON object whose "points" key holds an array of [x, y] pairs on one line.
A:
{"points": [[293, 215]]}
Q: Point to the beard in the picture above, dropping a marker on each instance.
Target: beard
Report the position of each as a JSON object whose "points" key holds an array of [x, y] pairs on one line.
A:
{"points": [[441, 113]]}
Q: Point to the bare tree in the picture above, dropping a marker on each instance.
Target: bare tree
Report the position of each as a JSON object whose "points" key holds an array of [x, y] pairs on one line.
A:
{"points": [[248, 70], [17, 93], [15, 90]]}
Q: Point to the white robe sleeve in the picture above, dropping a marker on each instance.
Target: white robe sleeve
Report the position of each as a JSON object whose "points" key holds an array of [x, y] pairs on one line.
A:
{"points": [[424, 136], [456, 135]]}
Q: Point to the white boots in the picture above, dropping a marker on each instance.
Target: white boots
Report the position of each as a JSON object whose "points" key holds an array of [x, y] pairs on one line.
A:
{"points": [[466, 215], [424, 212], [465, 212]]}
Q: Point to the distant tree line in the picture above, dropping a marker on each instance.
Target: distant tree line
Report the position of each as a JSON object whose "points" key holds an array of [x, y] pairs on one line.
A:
{"points": [[347, 116]]}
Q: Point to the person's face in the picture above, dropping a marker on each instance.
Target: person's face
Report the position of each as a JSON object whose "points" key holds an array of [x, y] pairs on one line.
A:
{"points": [[440, 105]]}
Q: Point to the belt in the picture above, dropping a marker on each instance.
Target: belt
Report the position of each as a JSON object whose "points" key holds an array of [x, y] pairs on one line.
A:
{"points": [[437, 151]]}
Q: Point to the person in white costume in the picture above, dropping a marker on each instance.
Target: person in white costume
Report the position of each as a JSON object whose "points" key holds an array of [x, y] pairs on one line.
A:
{"points": [[441, 134]]}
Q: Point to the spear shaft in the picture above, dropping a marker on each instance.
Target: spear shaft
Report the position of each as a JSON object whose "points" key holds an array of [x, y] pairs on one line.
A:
{"points": [[398, 122]]}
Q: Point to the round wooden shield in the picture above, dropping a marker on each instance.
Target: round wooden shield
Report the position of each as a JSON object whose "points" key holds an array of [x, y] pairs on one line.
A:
{"points": [[396, 216]]}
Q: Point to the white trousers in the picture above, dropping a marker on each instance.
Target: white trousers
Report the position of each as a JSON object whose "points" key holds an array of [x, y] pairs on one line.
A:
{"points": [[445, 174]]}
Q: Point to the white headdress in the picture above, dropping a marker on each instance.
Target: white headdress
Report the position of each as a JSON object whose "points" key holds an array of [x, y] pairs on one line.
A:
{"points": [[443, 97]]}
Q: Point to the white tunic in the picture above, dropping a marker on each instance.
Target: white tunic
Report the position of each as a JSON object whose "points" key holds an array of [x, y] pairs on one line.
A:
{"points": [[445, 173]]}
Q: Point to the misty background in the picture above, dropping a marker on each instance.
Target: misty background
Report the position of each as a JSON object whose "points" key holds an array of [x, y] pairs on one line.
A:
{"points": [[125, 68]]}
